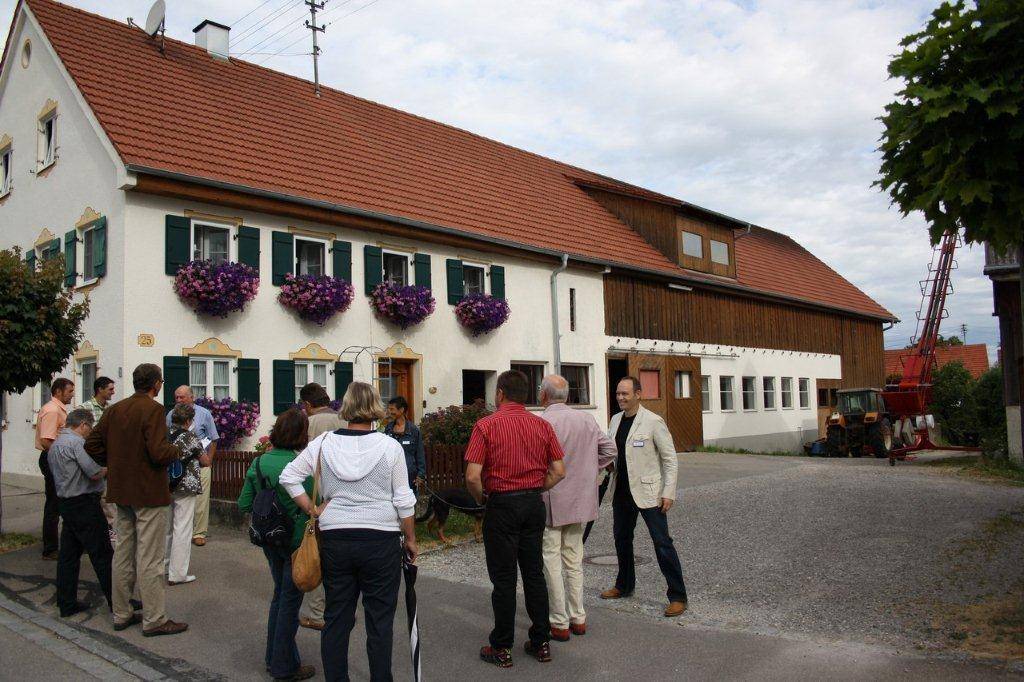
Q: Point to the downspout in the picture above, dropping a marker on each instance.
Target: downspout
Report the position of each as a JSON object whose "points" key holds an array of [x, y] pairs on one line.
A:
{"points": [[554, 313]]}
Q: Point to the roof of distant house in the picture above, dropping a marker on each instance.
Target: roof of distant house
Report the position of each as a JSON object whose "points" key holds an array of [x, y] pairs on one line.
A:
{"points": [[973, 356], [184, 114]]}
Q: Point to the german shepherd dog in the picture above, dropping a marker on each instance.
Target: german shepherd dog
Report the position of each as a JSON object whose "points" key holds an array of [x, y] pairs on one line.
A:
{"points": [[440, 507]]}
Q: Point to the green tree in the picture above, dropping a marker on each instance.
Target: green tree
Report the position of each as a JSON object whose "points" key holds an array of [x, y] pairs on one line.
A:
{"points": [[991, 414], [40, 326], [953, 404], [953, 144]]}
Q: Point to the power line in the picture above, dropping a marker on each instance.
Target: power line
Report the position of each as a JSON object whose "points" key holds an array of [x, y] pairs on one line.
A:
{"points": [[275, 36], [271, 18], [372, 2], [336, 7], [239, 21]]}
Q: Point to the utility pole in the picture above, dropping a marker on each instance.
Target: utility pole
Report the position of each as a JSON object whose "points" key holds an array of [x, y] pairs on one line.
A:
{"points": [[311, 25], [963, 333]]}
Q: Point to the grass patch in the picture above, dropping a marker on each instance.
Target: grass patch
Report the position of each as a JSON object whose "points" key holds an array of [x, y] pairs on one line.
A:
{"points": [[742, 451], [12, 541], [983, 467], [459, 527], [994, 628]]}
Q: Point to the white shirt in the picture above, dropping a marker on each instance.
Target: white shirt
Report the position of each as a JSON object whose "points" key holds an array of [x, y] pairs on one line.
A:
{"points": [[363, 478]]}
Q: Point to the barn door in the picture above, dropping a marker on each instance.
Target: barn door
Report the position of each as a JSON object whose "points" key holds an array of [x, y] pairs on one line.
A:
{"points": [[650, 369], [683, 405]]}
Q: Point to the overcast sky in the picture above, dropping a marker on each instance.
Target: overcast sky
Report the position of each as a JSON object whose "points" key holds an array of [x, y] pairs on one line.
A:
{"points": [[764, 111]]}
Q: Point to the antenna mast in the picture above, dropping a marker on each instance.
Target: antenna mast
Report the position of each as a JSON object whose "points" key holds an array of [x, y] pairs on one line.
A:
{"points": [[311, 25]]}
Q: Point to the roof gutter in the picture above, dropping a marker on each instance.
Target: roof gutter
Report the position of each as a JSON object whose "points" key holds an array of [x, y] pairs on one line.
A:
{"points": [[430, 227]]}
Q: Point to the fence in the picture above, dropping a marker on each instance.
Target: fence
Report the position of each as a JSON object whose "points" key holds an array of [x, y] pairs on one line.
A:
{"points": [[445, 469]]}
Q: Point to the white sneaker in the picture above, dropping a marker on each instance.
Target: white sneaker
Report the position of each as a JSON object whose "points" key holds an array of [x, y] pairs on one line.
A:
{"points": [[188, 579]]}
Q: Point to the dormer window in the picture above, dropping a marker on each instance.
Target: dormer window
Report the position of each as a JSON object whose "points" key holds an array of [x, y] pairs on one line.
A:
{"points": [[5, 170], [719, 252], [693, 245]]}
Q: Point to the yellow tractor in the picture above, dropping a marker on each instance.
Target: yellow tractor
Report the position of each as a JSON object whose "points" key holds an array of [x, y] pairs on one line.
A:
{"points": [[859, 425]]}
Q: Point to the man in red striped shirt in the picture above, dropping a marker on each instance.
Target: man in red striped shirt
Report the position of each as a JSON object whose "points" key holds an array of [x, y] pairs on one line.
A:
{"points": [[512, 457]]}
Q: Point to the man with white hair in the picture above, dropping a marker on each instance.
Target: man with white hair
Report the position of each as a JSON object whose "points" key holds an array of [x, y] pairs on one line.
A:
{"points": [[570, 505], [206, 430]]}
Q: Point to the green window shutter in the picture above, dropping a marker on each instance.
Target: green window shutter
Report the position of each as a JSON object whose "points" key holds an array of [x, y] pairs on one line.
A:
{"points": [[249, 246], [373, 267], [455, 284], [342, 378], [282, 252], [177, 249], [30, 258], [175, 374], [421, 264], [284, 385], [498, 281], [249, 380], [52, 250], [341, 253], [70, 272], [99, 247]]}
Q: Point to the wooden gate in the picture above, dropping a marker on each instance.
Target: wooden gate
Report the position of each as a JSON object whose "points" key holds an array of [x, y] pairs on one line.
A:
{"points": [[671, 388]]}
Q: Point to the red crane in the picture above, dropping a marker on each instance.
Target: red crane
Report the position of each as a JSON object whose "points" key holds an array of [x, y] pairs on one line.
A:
{"points": [[909, 399]]}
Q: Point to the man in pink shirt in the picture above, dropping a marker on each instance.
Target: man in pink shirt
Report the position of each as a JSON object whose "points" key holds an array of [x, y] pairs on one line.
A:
{"points": [[49, 421], [570, 505]]}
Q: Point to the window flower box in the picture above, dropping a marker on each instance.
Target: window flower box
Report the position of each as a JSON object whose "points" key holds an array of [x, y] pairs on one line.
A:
{"points": [[216, 288], [316, 298], [405, 306], [482, 313]]}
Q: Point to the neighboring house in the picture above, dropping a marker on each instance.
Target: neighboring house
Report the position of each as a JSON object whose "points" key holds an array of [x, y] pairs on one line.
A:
{"points": [[973, 356], [131, 161], [1004, 271]]}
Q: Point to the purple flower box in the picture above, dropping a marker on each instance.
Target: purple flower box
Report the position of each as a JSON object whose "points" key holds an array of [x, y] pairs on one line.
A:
{"points": [[405, 306], [234, 420], [482, 313], [316, 298], [216, 288]]}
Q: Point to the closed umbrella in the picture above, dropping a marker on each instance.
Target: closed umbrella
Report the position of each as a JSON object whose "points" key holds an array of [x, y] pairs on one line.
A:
{"points": [[409, 570]]}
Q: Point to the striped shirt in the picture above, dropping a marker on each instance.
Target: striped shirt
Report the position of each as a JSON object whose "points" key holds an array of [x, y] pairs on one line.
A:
{"points": [[515, 449]]}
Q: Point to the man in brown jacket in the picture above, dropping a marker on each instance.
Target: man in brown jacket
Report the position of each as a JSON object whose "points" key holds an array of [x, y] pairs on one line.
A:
{"points": [[131, 441]]}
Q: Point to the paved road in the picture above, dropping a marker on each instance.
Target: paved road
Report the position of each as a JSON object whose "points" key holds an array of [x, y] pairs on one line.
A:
{"points": [[743, 565]]}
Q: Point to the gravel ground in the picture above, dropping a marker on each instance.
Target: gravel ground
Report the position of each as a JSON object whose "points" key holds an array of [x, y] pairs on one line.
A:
{"points": [[820, 549]]}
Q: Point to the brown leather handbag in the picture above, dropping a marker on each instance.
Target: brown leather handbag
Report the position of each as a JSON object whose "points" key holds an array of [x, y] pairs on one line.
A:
{"points": [[306, 559]]}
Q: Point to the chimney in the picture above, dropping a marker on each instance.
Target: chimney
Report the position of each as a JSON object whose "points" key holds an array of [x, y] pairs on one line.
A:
{"points": [[213, 37]]}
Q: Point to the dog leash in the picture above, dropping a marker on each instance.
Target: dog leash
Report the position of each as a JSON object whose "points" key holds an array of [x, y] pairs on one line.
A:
{"points": [[453, 506]]}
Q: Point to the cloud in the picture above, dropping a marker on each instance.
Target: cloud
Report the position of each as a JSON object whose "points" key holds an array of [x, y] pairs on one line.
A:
{"points": [[763, 110]]}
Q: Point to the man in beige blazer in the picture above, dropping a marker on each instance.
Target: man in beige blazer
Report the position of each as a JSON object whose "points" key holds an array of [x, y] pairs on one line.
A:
{"points": [[643, 484]]}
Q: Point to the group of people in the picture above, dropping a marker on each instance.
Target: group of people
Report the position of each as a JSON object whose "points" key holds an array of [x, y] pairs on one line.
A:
{"points": [[537, 476]]}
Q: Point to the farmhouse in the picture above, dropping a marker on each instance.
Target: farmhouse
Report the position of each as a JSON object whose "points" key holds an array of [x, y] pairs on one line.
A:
{"points": [[133, 157]]}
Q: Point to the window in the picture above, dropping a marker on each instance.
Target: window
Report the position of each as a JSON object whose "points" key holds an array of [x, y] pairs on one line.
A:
{"points": [[474, 280], [578, 377], [534, 375], [5, 171], [805, 393], [650, 383], [572, 309], [310, 257], [719, 252], [749, 393], [211, 242], [47, 140], [315, 372], [725, 393], [682, 384], [87, 370], [787, 393], [705, 393], [769, 392], [210, 378], [89, 254], [396, 268], [693, 245], [822, 397]]}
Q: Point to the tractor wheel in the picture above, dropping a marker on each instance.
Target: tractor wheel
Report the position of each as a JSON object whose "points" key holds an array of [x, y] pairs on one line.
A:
{"points": [[856, 451], [880, 439], [834, 443]]}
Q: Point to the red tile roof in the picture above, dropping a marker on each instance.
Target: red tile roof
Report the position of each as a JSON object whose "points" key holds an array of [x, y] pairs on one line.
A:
{"points": [[973, 356], [184, 112]]}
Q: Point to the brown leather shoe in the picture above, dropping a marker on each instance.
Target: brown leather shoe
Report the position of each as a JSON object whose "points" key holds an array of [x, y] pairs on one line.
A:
{"points": [[311, 624], [613, 593], [169, 627], [578, 628], [559, 635], [198, 541], [303, 673], [136, 618], [675, 608]]}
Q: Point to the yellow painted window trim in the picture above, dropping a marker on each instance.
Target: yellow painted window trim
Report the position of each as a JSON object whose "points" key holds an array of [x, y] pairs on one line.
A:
{"points": [[314, 352], [212, 348]]}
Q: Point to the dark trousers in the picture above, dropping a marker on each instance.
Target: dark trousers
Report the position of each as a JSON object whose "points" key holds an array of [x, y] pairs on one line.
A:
{"points": [[514, 534], [624, 513], [359, 562], [85, 530], [51, 515], [282, 656]]}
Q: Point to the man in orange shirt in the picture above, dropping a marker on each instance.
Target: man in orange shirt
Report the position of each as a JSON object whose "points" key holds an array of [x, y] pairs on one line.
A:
{"points": [[49, 422]]}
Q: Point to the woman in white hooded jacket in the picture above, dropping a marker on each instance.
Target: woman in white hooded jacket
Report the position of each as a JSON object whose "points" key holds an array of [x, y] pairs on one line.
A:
{"points": [[365, 517]]}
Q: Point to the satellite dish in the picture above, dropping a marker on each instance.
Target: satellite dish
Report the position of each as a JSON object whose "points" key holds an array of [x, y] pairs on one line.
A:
{"points": [[155, 20]]}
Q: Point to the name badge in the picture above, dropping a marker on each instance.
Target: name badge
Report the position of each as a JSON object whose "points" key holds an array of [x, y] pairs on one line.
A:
{"points": [[639, 443], [406, 442]]}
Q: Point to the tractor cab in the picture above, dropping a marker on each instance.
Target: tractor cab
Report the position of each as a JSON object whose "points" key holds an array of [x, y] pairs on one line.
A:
{"points": [[861, 401], [860, 423]]}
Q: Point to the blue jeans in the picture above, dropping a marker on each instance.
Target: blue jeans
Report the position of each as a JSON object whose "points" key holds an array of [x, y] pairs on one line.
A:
{"points": [[282, 655], [624, 513]]}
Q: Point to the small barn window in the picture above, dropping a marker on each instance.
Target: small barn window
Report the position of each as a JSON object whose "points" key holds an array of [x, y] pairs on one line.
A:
{"points": [[719, 252], [693, 245], [650, 383], [572, 310], [682, 385]]}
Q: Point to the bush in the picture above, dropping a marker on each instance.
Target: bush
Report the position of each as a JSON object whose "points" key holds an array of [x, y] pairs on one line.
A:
{"points": [[953, 404], [452, 425], [988, 400]]}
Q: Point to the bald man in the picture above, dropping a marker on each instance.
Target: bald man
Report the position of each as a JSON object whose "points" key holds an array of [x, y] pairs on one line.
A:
{"points": [[205, 428], [570, 505]]}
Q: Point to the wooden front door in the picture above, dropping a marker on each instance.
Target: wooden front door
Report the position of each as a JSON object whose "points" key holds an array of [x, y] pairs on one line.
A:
{"points": [[396, 380], [825, 391], [670, 387]]}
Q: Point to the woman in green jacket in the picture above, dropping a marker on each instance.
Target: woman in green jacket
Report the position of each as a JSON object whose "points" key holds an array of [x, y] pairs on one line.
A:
{"points": [[289, 435]]}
